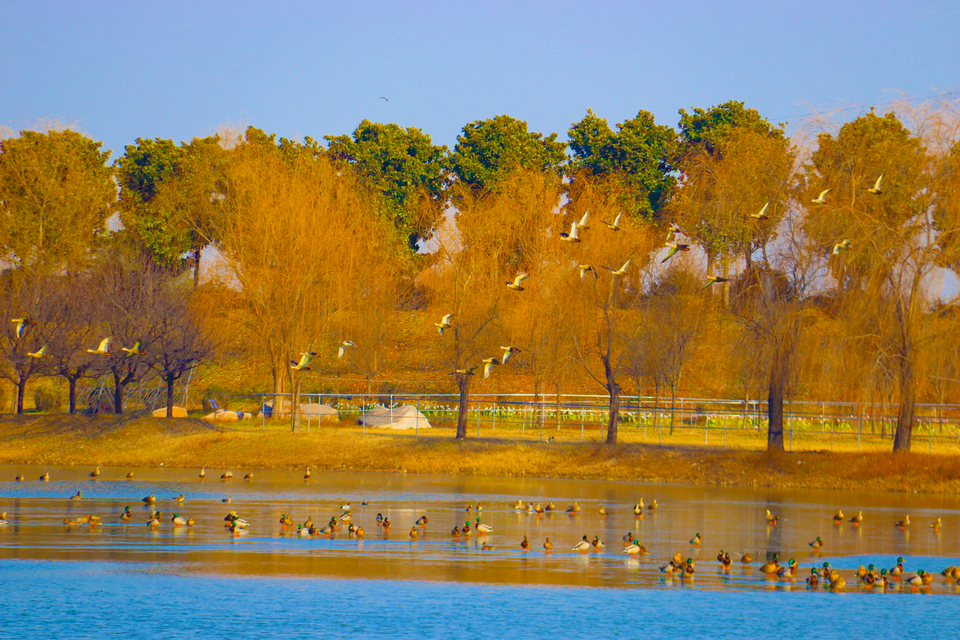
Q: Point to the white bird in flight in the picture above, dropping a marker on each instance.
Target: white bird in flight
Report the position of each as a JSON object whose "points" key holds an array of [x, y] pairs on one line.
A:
{"points": [[584, 269], [616, 223], [444, 323], [103, 349], [515, 285], [508, 351], [875, 189], [304, 364], [488, 365], [763, 213], [344, 344], [819, 199], [573, 236], [622, 270], [584, 221]]}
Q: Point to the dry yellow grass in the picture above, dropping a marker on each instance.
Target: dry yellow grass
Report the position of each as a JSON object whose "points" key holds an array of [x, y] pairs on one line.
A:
{"points": [[131, 441]]}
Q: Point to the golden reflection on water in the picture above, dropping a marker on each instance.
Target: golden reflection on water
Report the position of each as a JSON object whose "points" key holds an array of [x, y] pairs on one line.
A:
{"points": [[727, 518]]}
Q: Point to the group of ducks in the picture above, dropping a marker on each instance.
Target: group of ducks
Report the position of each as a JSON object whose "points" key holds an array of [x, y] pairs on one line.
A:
{"points": [[638, 508]]}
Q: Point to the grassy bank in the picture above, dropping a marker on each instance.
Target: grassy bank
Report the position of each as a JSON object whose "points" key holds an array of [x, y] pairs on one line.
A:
{"points": [[145, 442]]}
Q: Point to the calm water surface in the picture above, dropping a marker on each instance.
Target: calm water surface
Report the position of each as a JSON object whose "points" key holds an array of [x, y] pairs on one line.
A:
{"points": [[271, 582]]}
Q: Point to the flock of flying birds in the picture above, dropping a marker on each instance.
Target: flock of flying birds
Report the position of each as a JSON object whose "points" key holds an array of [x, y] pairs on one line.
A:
{"points": [[676, 567], [103, 349]]}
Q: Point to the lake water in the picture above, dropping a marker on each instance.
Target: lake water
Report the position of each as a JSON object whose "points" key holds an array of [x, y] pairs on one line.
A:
{"points": [[269, 582]]}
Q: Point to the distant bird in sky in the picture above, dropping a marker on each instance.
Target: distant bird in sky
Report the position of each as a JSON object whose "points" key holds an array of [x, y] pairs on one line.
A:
{"points": [[488, 365], [622, 270], [616, 223], [843, 245], [344, 344], [444, 323], [22, 324], [40, 353], [573, 236], [135, 350], [819, 199], [584, 221], [584, 269], [384, 98], [713, 279], [515, 285], [507, 352], [763, 213], [103, 349], [675, 247], [875, 189], [304, 364]]}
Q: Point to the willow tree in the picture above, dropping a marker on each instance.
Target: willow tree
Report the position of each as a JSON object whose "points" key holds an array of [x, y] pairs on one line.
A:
{"points": [[293, 234]]}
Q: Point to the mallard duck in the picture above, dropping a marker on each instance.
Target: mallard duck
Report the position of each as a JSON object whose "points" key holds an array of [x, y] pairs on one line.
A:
{"points": [[547, 545], [226, 475], [150, 499], [772, 519], [203, 473], [422, 521], [836, 581], [346, 517], [825, 570], [627, 539], [671, 568], [466, 528], [76, 496], [455, 533], [236, 529], [857, 519], [788, 572], [227, 500], [45, 477], [816, 544], [689, 570], [414, 533], [696, 540], [602, 512], [154, 521], [652, 506], [597, 544], [179, 498], [3, 518], [385, 525], [677, 558], [130, 476], [126, 516], [746, 559], [178, 521], [345, 506], [903, 524], [814, 579], [191, 521], [897, 571], [21, 478], [838, 518], [287, 521], [638, 508], [524, 544], [574, 508], [230, 516], [483, 528], [538, 509], [861, 572], [519, 506], [724, 559], [486, 547], [583, 546], [771, 566], [360, 532], [379, 519], [306, 474], [633, 548], [915, 580], [95, 473], [936, 524], [249, 476]]}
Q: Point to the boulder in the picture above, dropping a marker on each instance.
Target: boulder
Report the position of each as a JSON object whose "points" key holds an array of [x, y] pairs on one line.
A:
{"points": [[178, 412]]}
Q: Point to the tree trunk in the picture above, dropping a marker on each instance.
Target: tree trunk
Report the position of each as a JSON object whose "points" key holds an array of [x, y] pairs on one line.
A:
{"points": [[196, 270], [673, 407], [295, 384], [613, 389], [778, 383], [21, 391], [906, 414], [169, 382], [463, 382], [558, 406], [73, 394], [117, 394]]}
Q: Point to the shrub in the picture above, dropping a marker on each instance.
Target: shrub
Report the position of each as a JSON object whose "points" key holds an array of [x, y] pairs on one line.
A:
{"points": [[46, 398]]}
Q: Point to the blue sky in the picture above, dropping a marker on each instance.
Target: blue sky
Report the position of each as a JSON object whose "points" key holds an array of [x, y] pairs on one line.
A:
{"points": [[122, 70]]}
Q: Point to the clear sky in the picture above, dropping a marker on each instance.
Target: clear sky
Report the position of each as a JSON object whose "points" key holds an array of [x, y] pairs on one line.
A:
{"points": [[122, 70]]}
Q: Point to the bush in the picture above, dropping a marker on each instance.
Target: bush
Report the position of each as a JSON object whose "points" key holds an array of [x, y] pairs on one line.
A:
{"points": [[47, 399]]}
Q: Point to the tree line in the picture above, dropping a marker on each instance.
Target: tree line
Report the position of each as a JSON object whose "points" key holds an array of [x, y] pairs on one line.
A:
{"points": [[630, 252]]}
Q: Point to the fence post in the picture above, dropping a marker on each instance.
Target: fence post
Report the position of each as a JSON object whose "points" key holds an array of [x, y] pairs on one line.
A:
{"points": [[416, 429], [263, 412]]}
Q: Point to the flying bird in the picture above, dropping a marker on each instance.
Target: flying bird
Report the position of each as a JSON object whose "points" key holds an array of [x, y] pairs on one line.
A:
{"points": [[674, 248], [763, 213], [40, 353], [843, 245], [488, 365], [103, 349], [22, 324], [507, 352], [444, 323], [135, 350], [616, 223], [819, 199], [573, 236], [622, 270], [384, 98], [713, 279], [584, 269], [584, 224], [304, 364], [515, 285], [465, 372], [344, 344], [673, 232], [875, 189]]}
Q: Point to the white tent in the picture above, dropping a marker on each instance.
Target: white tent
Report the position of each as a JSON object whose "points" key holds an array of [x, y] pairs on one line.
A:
{"points": [[405, 417]]}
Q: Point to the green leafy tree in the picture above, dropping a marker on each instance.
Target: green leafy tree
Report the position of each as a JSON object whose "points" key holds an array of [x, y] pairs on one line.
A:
{"points": [[404, 166], [56, 193], [707, 129], [636, 159], [489, 150]]}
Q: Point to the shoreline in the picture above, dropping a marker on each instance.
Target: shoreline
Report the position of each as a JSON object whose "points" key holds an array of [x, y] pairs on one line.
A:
{"points": [[137, 441]]}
